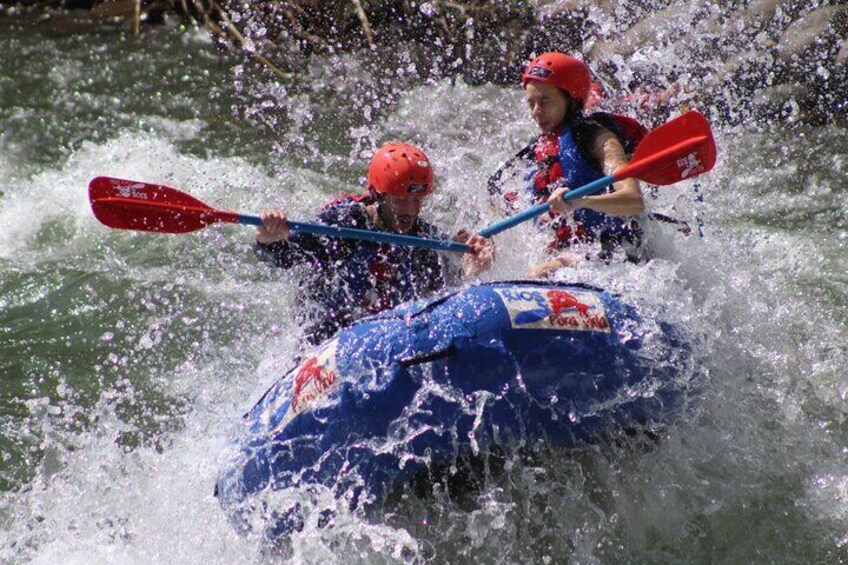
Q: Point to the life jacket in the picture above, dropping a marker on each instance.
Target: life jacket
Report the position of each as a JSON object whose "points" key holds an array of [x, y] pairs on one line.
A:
{"points": [[630, 133], [563, 159]]}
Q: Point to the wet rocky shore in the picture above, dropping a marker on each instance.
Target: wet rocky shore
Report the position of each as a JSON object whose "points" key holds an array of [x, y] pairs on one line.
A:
{"points": [[741, 61]]}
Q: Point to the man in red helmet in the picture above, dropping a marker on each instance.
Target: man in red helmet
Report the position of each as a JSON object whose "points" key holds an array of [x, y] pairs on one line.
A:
{"points": [[350, 279], [572, 150]]}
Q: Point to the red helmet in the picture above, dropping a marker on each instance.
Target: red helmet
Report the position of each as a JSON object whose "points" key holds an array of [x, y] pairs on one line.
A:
{"points": [[561, 70], [400, 169]]}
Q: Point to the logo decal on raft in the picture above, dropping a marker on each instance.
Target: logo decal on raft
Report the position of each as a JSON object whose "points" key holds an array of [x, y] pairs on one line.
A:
{"points": [[553, 309], [314, 379]]}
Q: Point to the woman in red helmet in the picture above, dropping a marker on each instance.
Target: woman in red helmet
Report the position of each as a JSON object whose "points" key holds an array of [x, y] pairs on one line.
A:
{"points": [[351, 279], [573, 150]]}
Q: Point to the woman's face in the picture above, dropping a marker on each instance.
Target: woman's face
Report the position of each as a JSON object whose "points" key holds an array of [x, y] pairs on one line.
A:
{"points": [[548, 105]]}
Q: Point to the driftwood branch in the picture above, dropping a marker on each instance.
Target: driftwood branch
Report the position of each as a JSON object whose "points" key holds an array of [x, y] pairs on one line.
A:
{"points": [[363, 19], [298, 31], [229, 33]]}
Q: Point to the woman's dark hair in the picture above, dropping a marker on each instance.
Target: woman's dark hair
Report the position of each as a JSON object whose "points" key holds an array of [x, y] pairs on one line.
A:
{"points": [[573, 107]]}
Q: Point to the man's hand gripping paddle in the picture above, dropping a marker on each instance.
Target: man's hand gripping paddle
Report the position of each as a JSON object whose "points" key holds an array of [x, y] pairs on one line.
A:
{"points": [[133, 205], [680, 149]]}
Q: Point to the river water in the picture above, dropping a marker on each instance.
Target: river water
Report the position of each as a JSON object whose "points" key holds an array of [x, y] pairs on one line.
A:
{"points": [[127, 359]]}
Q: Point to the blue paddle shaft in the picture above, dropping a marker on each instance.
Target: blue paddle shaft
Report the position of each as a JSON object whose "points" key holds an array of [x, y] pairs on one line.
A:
{"points": [[366, 235], [540, 209]]}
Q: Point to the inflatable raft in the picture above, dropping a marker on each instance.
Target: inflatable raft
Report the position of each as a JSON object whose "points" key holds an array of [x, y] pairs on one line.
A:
{"points": [[502, 364]]}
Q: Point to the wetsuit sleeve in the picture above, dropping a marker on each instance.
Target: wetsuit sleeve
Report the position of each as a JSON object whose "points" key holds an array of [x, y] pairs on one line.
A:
{"points": [[437, 269], [285, 254], [304, 248], [502, 199], [518, 161]]}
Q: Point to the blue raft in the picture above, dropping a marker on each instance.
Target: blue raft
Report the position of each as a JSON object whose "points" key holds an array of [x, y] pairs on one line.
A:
{"points": [[502, 364]]}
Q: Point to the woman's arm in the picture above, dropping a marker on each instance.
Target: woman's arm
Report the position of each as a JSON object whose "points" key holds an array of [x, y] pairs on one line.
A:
{"points": [[625, 200]]}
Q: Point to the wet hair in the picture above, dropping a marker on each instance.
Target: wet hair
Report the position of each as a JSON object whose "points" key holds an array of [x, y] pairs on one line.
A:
{"points": [[574, 107]]}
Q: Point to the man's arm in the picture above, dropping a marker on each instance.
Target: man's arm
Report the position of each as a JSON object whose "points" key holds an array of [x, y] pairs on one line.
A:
{"points": [[278, 247], [479, 259], [471, 264]]}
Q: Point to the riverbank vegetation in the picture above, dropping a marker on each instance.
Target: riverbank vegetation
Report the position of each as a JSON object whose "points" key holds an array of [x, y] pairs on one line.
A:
{"points": [[736, 58]]}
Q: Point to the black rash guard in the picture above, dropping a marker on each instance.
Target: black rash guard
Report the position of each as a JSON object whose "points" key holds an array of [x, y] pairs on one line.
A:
{"points": [[348, 279]]}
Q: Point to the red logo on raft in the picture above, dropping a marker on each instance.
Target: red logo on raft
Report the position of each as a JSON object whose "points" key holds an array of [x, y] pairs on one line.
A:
{"points": [[561, 301], [305, 386], [554, 309], [567, 311], [311, 382]]}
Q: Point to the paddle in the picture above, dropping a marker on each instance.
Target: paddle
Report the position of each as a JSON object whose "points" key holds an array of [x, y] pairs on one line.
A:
{"points": [[680, 149], [133, 205]]}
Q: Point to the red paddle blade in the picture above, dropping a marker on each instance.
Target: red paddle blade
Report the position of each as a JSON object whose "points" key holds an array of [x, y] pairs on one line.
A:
{"points": [[133, 205], [680, 149]]}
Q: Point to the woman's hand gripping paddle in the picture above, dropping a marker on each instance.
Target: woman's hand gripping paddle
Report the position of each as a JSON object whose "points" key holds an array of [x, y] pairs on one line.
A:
{"points": [[680, 149], [133, 205]]}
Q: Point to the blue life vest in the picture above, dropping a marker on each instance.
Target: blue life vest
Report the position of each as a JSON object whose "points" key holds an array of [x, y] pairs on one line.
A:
{"points": [[377, 276], [560, 161]]}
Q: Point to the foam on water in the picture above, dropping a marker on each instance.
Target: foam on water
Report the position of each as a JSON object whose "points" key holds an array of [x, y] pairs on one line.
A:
{"points": [[94, 498]]}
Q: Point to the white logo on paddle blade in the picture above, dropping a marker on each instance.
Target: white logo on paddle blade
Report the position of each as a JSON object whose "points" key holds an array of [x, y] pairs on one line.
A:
{"points": [[689, 165], [132, 191]]}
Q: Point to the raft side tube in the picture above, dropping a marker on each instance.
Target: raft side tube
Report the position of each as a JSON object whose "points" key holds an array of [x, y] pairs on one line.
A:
{"points": [[500, 364]]}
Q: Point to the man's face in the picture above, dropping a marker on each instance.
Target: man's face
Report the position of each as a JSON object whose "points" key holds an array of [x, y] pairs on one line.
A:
{"points": [[548, 105], [399, 213]]}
